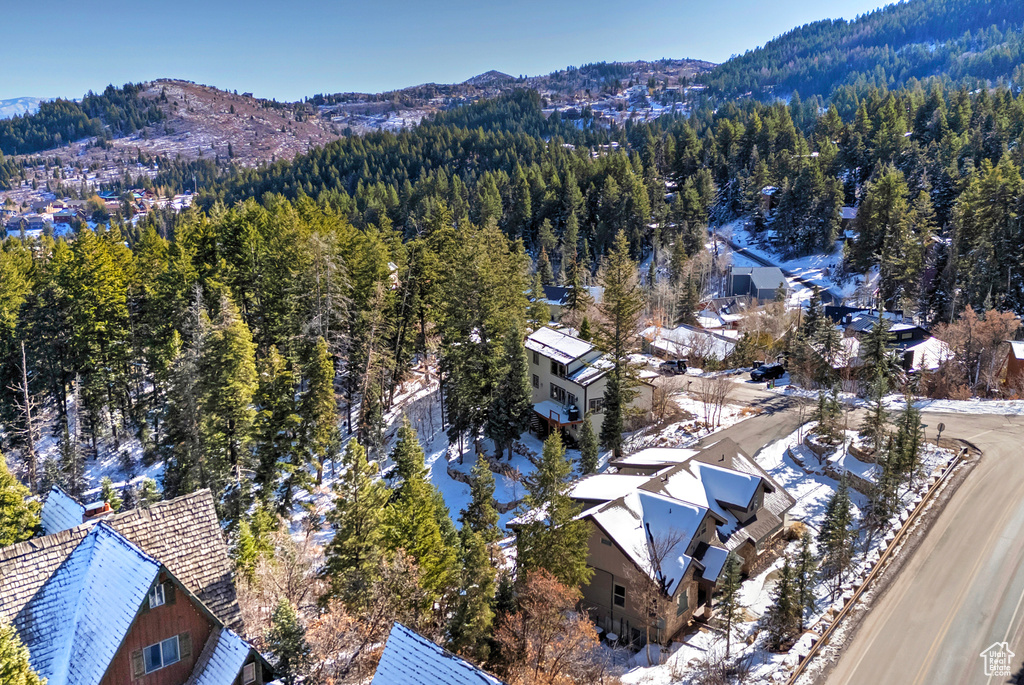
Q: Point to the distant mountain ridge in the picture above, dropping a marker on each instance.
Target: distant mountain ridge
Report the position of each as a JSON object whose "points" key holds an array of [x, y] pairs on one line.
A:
{"points": [[17, 106]]}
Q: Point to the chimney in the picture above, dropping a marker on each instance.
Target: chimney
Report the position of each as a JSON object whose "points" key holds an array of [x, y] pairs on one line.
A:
{"points": [[96, 509]]}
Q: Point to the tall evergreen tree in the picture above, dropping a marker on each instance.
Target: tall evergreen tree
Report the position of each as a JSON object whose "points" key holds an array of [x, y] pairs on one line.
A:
{"points": [[355, 550], [588, 447], [19, 515], [510, 409], [480, 515], [286, 640], [470, 624], [837, 537], [552, 538], [730, 608], [621, 306], [412, 522], [804, 574], [781, 621], [319, 411]]}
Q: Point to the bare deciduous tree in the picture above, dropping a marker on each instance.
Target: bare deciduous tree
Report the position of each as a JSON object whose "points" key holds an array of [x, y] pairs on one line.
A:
{"points": [[714, 392]]}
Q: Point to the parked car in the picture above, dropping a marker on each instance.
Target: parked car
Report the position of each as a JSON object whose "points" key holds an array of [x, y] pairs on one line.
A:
{"points": [[673, 367], [767, 372]]}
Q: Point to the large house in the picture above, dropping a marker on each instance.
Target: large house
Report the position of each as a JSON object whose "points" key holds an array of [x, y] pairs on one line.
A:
{"points": [[569, 376], [557, 298], [686, 342], [142, 597], [669, 518], [758, 282]]}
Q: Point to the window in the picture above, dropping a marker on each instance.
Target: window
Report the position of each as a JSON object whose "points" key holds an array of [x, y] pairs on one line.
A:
{"points": [[536, 359], [156, 596], [572, 400], [557, 369], [536, 381], [682, 602], [558, 393], [597, 405], [606, 541], [906, 336], [248, 674], [620, 596], [161, 654]]}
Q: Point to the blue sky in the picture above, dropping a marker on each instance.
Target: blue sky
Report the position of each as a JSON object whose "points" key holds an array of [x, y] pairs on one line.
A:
{"points": [[291, 48]]}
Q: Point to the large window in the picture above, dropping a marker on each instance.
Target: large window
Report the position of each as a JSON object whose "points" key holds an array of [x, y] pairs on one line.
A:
{"points": [[557, 369], [682, 603], [596, 405], [161, 654], [620, 596], [248, 674], [558, 393]]}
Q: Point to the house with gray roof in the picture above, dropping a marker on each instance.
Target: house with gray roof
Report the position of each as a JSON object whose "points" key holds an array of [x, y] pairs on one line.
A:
{"points": [[757, 282], [668, 518], [144, 596]]}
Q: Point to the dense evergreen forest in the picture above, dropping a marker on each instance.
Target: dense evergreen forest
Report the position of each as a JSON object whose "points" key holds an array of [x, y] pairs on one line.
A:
{"points": [[115, 112], [961, 42]]}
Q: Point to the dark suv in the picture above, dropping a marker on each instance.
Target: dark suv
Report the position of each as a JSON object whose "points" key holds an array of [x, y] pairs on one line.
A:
{"points": [[767, 372], [674, 367]]}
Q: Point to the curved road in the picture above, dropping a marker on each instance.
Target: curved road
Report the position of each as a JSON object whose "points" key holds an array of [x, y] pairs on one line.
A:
{"points": [[963, 588]]}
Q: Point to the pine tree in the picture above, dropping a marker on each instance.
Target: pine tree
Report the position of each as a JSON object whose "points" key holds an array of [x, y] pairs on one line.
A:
{"points": [[19, 515], [537, 311], [319, 411], [553, 539], [588, 447], [578, 298], [509, 414], [804, 575], [286, 640], [470, 624], [836, 537], [275, 430], [354, 551], [874, 426], [480, 514], [544, 271], [412, 522], [109, 494], [781, 620], [15, 666], [729, 607], [622, 306], [245, 553], [148, 493], [689, 300]]}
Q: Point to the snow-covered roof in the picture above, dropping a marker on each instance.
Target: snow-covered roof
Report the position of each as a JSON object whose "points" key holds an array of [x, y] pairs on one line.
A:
{"points": [[60, 512], [410, 659], [929, 354], [687, 341], [714, 561], [221, 659], [606, 486], [589, 373], [74, 626], [849, 213], [557, 345], [657, 455], [1016, 348], [641, 521]]}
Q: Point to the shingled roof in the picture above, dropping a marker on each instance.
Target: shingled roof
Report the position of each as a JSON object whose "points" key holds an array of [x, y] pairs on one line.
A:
{"points": [[183, 534]]}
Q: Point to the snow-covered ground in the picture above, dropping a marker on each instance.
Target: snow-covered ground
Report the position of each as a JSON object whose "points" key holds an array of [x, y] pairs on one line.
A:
{"points": [[822, 269], [897, 402]]}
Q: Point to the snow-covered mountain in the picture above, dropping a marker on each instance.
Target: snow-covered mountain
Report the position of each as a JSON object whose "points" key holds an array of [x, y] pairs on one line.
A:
{"points": [[16, 106]]}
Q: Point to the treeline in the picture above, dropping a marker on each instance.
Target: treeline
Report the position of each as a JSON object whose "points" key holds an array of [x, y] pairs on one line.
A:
{"points": [[958, 41], [60, 122]]}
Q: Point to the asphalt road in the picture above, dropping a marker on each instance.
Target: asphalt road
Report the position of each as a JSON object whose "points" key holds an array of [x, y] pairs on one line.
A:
{"points": [[963, 588]]}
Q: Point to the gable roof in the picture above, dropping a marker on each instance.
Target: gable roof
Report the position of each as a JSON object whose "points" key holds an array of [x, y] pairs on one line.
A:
{"points": [[1016, 348], [688, 341], [641, 521], [557, 345], [60, 512], [75, 624], [410, 659], [221, 660], [183, 534]]}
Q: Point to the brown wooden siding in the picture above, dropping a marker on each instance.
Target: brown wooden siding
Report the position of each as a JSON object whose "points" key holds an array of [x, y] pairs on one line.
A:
{"points": [[153, 626]]}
